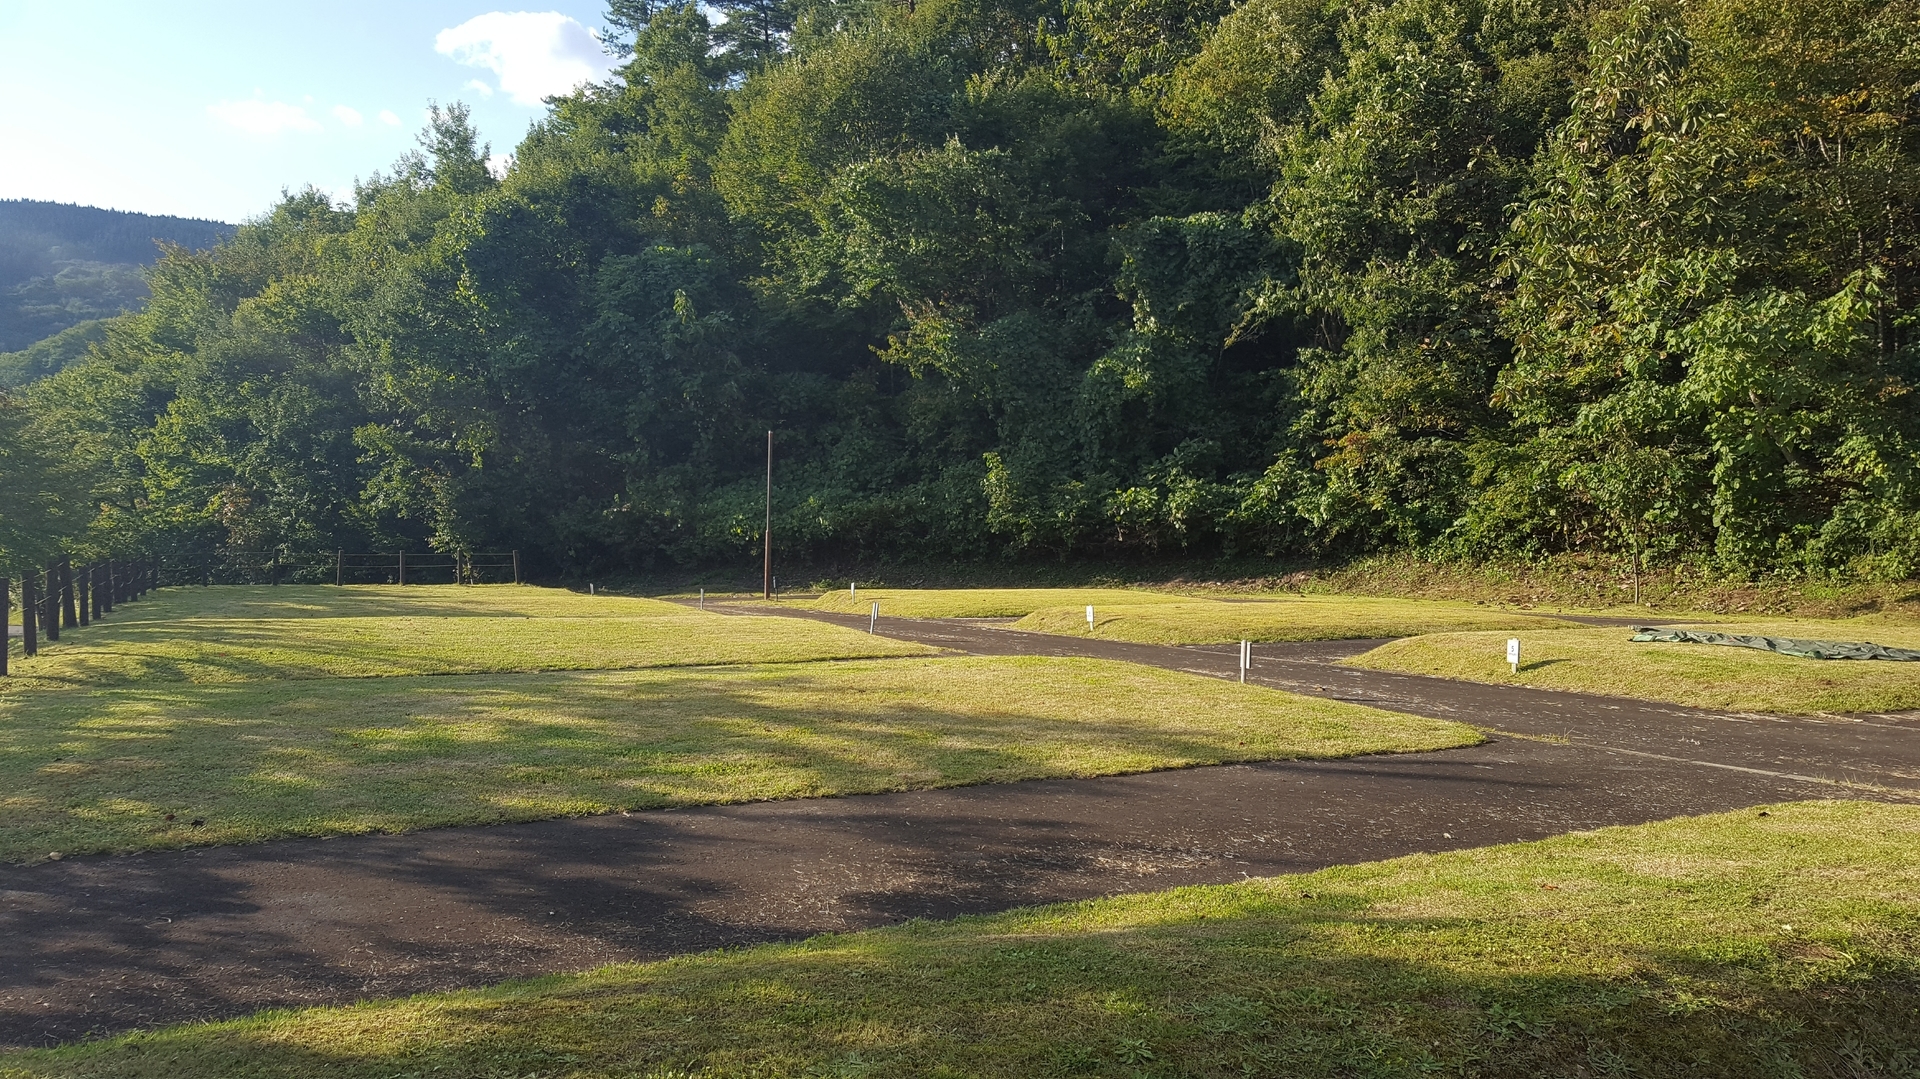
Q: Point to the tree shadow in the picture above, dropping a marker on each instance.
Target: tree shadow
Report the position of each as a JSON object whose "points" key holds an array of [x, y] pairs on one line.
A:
{"points": [[1246, 980], [97, 770]]}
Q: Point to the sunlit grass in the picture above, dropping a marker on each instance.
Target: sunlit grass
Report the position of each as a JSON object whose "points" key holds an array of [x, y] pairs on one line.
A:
{"points": [[1294, 618], [1735, 945], [100, 770], [1704, 676], [978, 602], [251, 633]]}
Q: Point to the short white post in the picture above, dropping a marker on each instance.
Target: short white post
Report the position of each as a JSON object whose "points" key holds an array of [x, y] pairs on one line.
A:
{"points": [[1246, 659], [703, 599], [873, 619], [1089, 618], [853, 591], [589, 588], [1513, 654]]}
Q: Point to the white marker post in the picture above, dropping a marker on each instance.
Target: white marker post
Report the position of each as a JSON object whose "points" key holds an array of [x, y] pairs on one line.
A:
{"points": [[1089, 618], [853, 591], [703, 599], [873, 619], [1246, 660], [589, 588], [1513, 653]]}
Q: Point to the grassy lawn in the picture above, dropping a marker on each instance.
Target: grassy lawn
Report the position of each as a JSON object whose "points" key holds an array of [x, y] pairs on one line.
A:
{"points": [[1745, 944], [1300, 618], [980, 602], [99, 770], [251, 633], [1704, 676]]}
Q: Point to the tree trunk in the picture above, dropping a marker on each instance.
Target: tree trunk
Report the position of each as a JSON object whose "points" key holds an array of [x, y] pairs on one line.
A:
{"points": [[50, 603], [29, 614], [69, 614]]}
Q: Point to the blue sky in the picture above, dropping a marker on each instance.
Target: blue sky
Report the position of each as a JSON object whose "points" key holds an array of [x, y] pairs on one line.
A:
{"points": [[211, 109]]}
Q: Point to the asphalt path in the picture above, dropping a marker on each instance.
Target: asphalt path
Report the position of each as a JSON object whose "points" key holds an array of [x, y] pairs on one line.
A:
{"points": [[97, 945]]}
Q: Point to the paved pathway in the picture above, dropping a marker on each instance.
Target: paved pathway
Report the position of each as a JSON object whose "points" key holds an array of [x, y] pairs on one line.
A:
{"points": [[92, 945]]}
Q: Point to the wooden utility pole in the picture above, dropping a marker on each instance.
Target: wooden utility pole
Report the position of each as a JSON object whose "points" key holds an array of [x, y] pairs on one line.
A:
{"points": [[766, 533]]}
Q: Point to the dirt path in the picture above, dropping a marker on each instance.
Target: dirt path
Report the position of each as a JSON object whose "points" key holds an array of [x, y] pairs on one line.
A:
{"points": [[93, 945]]}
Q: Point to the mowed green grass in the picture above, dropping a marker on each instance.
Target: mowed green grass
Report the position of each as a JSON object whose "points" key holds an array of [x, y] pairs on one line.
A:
{"points": [[242, 723], [1704, 676], [1292, 618], [1776, 943], [252, 633], [979, 602]]}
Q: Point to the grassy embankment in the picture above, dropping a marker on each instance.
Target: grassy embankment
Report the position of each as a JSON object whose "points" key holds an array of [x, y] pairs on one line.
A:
{"points": [[1745, 944], [225, 706], [1295, 618], [1703, 676], [1162, 618], [980, 602]]}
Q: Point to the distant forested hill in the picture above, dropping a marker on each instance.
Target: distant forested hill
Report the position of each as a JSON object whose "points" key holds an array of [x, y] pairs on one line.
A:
{"points": [[63, 265]]}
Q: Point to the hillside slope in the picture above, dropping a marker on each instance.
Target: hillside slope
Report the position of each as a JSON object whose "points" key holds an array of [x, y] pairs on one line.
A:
{"points": [[63, 265]]}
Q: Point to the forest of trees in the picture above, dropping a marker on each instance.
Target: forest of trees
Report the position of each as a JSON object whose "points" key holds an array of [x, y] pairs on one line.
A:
{"points": [[1012, 280]]}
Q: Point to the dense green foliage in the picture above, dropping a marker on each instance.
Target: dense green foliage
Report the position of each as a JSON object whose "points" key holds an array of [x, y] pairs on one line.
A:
{"points": [[61, 265], [1012, 279]]}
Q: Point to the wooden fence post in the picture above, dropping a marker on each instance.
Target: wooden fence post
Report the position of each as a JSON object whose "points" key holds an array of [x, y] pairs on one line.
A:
{"points": [[29, 616], [403, 567], [340, 567], [516, 567], [69, 616]]}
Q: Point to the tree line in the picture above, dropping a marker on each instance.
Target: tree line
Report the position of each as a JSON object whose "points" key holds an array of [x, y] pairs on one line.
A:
{"points": [[1017, 279]]}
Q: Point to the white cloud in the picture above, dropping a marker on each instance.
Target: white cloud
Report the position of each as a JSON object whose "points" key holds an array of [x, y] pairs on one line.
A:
{"points": [[348, 116], [536, 54], [258, 117], [479, 87], [388, 118], [499, 165]]}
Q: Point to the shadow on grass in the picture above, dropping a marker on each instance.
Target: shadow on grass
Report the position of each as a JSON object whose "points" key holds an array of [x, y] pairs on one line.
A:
{"points": [[307, 602], [264, 650], [1237, 982], [98, 771]]}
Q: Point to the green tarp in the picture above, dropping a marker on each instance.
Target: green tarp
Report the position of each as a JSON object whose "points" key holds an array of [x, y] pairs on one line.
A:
{"points": [[1786, 646]]}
